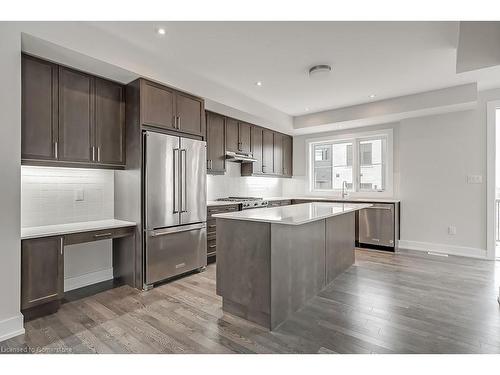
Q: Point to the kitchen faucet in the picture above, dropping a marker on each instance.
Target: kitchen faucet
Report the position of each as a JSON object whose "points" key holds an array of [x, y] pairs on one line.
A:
{"points": [[345, 193]]}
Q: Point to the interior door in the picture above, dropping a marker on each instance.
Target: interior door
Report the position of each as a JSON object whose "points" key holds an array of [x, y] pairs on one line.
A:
{"points": [[162, 180], [193, 202]]}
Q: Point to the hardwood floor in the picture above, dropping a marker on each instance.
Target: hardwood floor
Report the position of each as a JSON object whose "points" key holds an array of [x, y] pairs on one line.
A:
{"points": [[385, 303]]}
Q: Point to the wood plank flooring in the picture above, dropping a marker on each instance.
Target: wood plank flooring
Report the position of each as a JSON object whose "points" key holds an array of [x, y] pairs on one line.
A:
{"points": [[385, 303]]}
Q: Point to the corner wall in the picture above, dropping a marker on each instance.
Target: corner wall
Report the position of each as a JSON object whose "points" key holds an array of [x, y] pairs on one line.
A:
{"points": [[11, 320]]}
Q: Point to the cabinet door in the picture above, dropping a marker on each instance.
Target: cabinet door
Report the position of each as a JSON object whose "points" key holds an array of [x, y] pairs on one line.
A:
{"points": [[287, 155], [190, 112], [232, 138], [215, 143], [257, 149], [39, 109], [76, 110], [278, 154], [267, 151], [109, 122], [42, 275], [157, 105], [244, 137]]}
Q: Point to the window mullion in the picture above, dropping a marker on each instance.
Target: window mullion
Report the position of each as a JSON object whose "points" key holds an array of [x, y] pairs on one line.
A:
{"points": [[355, 165]]}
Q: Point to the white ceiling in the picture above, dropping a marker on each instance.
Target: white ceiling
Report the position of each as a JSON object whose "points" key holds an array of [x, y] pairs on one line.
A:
{"points": [[388, 59]]}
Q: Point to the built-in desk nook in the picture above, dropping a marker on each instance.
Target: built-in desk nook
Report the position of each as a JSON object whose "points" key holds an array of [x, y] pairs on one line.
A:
{"points": [[42, 259]]}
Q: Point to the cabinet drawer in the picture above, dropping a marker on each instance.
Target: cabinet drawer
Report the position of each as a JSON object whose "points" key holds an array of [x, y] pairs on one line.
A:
{"points": [[71, 239], [211, 228], [211, 247], [221, 209]]}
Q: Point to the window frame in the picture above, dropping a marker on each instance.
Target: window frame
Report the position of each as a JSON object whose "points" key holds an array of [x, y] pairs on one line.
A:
{"points": [[355, 139]]}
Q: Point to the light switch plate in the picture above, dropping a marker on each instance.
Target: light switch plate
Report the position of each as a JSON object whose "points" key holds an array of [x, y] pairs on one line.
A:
{"points": [[79, 196], [474, 179]]}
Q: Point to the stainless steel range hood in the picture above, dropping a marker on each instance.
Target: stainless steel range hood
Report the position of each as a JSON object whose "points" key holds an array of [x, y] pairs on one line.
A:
{"points": [[239, 157]]}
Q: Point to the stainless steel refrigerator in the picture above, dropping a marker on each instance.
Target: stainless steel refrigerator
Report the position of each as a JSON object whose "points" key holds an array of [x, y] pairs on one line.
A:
{"points": [[175, 206]]}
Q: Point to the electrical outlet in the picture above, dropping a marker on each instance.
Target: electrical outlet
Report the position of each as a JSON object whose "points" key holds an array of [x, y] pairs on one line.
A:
{"points": [[452, 230], [474, 179], [79, 196]]}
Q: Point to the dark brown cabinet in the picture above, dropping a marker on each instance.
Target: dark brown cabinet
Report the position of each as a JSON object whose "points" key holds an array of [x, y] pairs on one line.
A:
{"points": [[169, 109], [42, 278], [212, 226], [190, 114], [232, 137], [278, 154], [287, 156], [158, 105], [267, 152], [70, 118], [216, 153], [109, 122], [238, 136], [257, 149], [76, 122], [39, 122], [244, 131]]}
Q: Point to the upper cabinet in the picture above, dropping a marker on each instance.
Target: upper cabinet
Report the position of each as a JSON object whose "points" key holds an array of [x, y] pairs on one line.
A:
{"points": [[267, 152], [109, 122], [70, 118], [244, 137], [237, 136], [166, 108], [256, 142], [39, 122], [158, 105], [216, 152], [278, 154], [287, 156], [76, 120]]}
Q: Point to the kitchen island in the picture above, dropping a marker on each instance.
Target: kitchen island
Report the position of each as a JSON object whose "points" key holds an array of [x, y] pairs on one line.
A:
{"points": [[270, 261]]}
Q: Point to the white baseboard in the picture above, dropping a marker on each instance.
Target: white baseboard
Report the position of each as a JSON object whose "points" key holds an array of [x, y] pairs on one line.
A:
{"points": [[11, 327], [471, 252], [80, 281]]}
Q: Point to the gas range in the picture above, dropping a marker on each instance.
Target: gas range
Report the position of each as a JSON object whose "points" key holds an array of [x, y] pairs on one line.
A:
{"points": [[246, 202]]}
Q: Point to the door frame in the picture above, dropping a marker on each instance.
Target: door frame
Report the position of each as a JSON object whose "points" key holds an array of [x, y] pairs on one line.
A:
{"points": [[491, 153]]}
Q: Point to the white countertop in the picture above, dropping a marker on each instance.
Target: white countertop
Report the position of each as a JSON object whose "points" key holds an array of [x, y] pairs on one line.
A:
{"points": [[62, 229], [296, 214], [348, 199]]}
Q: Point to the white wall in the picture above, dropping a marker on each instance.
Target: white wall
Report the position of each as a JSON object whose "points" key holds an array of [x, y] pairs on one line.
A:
{"points": [[232, 184], [11, 320], [436, 155], [432, 157], [48, 196]]}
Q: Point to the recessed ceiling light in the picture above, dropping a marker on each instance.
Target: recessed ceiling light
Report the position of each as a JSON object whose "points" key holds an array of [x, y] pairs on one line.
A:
{"points": [[258, 83], [161, 31], [319, 71], [372, 96], [307, 109]]}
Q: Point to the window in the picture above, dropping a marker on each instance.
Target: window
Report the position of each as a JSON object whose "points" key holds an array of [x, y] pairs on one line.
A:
{"points": [[360, 161]]}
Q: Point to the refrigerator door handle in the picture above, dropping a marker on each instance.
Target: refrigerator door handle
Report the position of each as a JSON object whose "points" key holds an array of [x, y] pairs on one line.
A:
{"points": [[183, 228], [183, 180], [175, 190]]}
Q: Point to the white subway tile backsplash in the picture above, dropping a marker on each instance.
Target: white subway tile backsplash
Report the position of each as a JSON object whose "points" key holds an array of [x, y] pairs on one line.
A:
{"points": [[48, 195], [232, 184]]}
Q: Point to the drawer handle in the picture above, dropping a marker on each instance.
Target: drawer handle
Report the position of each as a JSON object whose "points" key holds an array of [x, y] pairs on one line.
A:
{"points": [[103, 235], [212, 246], [212, 226]]}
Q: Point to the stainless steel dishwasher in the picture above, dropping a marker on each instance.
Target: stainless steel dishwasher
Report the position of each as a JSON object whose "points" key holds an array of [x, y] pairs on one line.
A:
{"points": [[376, 226]]}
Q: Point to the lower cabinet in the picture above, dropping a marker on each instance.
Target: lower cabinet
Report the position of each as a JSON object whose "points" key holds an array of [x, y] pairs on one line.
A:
{"points": [[42, 275], [211, 226]]}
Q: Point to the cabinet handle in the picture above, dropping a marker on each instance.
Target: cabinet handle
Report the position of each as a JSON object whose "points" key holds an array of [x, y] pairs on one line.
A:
{"points": [[61, 241], [208, 164], [93, 153], [55, 150], [212, 246], [103, 235], [178, 122], [98, 153], [211, 164]]}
